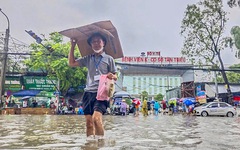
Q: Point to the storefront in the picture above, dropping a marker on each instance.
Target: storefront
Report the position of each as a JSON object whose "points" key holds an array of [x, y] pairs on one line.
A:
{"points": [[22, 91]]}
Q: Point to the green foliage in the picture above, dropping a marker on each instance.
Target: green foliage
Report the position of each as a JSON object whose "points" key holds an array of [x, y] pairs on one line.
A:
{"points": [[55, 63], [159, 97], [233, 77], [144, 95], [235, 31]]}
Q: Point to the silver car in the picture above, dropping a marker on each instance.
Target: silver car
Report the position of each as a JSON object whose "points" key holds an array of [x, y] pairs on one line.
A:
{"points": [[215, 109]]}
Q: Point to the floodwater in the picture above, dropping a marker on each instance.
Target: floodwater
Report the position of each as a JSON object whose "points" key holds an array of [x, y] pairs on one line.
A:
{"points": [[178, 132]]}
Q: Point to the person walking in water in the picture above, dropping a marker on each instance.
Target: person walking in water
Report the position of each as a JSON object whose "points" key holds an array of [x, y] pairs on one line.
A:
{"points": [[123, 108], [156, 108], [137, 109], [97, 63], [145, 108]]}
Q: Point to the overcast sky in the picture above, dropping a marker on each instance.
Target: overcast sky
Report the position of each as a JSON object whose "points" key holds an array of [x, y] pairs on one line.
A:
{"points": [[143, 25]]}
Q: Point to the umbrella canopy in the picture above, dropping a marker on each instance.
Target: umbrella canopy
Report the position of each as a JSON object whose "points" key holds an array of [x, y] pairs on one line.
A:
{"points": [[106, 28], [137, 101], [189, 101], [201, 93], [23, 93], [121, 94], [26, 97]]}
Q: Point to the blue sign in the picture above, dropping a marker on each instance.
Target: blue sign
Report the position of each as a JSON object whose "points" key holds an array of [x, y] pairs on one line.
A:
{"points": [[57, 93]]}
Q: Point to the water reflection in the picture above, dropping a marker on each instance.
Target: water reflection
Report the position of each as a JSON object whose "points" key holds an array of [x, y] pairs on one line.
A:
{"points": [[122, 132]]}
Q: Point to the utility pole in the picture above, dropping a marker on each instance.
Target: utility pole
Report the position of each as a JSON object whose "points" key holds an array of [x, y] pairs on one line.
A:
{"points": [[4, 61], [58, 95]]}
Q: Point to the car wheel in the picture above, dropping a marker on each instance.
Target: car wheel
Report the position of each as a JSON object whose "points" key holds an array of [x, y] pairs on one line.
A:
{"points": [[230, 114], [204, 114]]}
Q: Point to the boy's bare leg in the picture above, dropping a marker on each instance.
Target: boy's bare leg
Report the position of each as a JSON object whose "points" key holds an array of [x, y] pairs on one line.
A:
{"points": [[89, 125], [97, 122]]}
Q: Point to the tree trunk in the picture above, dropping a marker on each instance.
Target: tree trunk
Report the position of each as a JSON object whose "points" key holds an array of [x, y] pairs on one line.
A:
{"points": [[229, 92]]}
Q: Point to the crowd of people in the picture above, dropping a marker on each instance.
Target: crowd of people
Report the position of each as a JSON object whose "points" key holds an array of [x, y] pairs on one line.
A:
{"points": [[148, 107]]}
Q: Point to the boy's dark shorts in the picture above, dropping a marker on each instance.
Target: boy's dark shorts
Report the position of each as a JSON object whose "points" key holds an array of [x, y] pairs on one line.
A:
{"points": [[91, 104]]}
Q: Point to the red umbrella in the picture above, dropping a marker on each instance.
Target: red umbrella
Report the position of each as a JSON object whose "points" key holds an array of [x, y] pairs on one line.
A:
{"points": [[137, 101]]}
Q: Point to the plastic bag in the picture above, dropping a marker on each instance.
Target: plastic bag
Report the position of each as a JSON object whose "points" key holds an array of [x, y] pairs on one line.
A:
{"points": [[105, 89]]}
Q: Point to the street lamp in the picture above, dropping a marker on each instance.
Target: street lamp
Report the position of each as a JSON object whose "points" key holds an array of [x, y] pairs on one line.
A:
{"points": [[4, 60]]}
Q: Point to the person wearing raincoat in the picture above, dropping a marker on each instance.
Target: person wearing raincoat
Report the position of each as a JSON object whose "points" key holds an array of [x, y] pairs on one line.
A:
{"points": [[145, 108], [164, 106], [156, 108], [123, 108]]}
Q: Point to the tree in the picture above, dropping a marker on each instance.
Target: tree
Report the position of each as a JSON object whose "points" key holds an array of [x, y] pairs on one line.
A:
{"points": [[233, 77], [234, 3], [159, 97], [144, 95], [235, 31], [203, 27], [55, 62]]}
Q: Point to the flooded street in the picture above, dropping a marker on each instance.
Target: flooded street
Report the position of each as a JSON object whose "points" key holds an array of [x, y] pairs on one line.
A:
{"points": [[121, 133]]}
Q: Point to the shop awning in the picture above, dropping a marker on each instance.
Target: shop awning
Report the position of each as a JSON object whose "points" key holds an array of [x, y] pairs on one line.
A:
{"points": [[23, 93]]}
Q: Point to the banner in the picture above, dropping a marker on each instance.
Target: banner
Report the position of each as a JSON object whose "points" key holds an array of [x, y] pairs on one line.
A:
{"points": [[154, 60], [12, 84], [201, 97], [39, 83]]}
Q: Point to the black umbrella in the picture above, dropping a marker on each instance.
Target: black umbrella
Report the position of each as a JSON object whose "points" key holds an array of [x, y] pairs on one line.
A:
{"points": [[121, 94]]}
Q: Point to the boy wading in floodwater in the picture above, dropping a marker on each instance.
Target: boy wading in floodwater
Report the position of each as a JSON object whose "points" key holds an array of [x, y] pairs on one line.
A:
{"points": [[97, 63]]}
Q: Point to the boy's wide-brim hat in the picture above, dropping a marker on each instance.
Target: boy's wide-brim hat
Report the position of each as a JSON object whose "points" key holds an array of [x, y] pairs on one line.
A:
{"points": [[105, 28]]}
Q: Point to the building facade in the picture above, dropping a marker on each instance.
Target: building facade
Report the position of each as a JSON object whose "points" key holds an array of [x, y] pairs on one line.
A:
{"points": [[152, 73]]}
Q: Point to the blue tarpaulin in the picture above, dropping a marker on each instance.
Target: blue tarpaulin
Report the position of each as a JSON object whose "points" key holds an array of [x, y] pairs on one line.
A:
{"points": [[23, 93]]}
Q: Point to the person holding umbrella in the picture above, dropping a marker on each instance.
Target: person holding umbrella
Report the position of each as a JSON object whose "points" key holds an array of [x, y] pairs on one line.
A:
{"points": [[136, 104], [97, 63]]}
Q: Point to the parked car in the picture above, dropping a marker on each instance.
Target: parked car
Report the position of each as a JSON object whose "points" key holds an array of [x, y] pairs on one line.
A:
{"points": [[215, 109]]}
